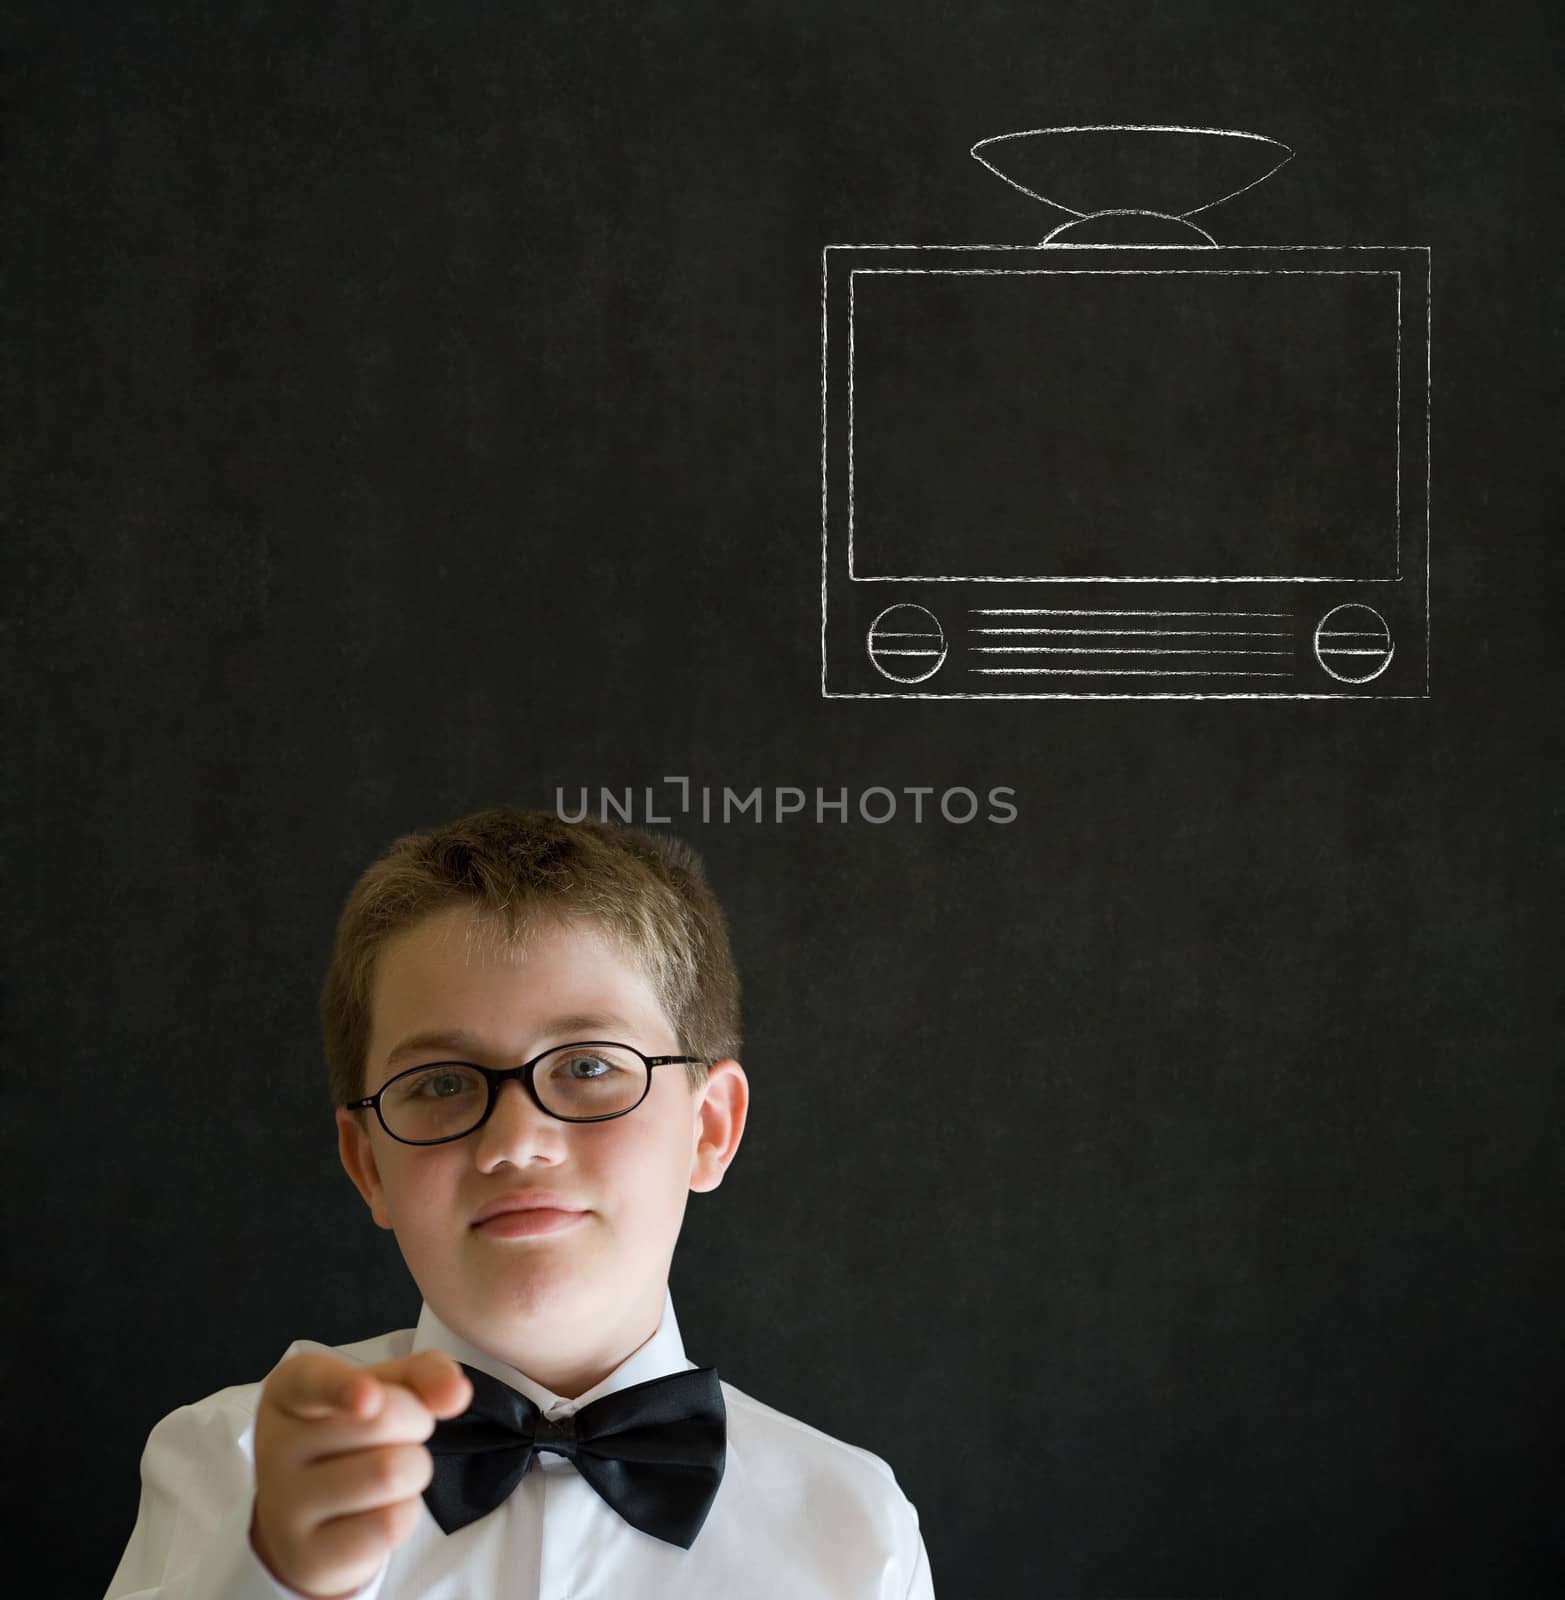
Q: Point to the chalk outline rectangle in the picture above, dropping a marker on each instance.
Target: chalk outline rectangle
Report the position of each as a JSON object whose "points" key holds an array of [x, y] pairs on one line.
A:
{"points": [[1395, 576], [1317, 249]]}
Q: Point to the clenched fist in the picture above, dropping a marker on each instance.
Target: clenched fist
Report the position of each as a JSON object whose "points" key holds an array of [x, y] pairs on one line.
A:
{"points": [[340, 1463]]}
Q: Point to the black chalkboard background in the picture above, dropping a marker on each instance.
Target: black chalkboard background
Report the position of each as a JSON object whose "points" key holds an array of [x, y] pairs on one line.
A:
{"points": [[418, 407]]}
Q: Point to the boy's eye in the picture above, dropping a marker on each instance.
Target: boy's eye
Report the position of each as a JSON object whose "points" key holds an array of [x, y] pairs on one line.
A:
{"points": [[588, 1067], [592, 1080], [443, 1084]]}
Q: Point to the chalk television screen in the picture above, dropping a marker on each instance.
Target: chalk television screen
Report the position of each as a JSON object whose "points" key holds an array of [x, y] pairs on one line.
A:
{"points": [[1062, 469], [1142, 423]]}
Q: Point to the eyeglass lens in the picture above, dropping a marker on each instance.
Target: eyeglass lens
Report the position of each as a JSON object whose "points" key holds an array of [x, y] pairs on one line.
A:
{"points": [[447, 1099]]}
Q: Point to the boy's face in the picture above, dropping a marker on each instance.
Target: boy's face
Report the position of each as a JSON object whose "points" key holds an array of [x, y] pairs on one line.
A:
{"points": [[568, 1305]]}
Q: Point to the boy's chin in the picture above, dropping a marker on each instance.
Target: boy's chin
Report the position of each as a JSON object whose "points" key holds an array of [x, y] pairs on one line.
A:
{"points": [[542, 1289]]}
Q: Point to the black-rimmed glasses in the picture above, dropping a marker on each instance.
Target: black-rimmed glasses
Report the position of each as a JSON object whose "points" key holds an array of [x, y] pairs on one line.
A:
{"points": [[591, 1080]]}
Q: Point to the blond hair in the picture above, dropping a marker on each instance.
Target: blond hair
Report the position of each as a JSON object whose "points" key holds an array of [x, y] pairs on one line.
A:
{"points": [[518, 868]]}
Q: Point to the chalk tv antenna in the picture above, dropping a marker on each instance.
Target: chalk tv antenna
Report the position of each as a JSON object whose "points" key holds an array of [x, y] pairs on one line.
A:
{"points": [[1160, 171]]}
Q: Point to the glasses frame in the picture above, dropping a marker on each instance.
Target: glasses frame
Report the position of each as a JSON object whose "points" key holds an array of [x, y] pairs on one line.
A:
{"points": [[495, 1076]]}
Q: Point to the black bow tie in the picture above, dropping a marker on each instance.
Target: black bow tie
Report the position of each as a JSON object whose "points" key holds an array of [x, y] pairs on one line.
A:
{"points": [[654, 1451]]}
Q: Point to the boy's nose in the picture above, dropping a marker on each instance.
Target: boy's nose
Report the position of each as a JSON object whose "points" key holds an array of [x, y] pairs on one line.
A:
{"points": [[517, 1131]]}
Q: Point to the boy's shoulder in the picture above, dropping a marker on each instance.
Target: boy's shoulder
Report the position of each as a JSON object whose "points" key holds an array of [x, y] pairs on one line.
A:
{"points": [[363, 1352], [244, 1397], [787, 1449], [366, 1352]]}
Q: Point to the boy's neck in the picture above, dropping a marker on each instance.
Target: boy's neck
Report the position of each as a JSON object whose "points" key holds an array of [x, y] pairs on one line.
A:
{"points": [[571, 1370]]}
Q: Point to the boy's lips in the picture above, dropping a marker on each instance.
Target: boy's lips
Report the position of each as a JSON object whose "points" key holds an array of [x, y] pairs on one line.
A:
{"points": [[524, 1200]]}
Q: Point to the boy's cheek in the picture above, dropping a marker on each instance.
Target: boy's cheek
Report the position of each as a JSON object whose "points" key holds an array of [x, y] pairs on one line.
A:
{"points": [[395, 1201]]}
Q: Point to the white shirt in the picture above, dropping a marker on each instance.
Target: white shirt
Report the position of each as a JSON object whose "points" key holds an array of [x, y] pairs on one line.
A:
{"points": [[799, 1515]]}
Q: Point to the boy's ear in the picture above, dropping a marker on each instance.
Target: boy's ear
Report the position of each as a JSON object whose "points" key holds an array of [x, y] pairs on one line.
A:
{"points": [[719, 1123], [358, 1161]]}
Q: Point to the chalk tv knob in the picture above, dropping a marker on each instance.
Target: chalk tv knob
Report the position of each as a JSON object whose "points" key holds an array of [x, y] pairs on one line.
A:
{"points": [[906, 643], [1353, 643]]}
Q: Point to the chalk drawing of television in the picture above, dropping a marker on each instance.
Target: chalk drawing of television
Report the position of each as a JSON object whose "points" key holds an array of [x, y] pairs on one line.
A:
{"points": [[1106, 468]]}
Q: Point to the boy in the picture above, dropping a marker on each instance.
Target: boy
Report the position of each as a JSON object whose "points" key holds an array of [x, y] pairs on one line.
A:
{"points": [[530, 1027]]}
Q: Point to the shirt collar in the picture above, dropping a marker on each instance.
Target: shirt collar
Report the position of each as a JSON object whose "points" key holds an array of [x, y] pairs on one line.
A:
{"points": [[662, 1354]]}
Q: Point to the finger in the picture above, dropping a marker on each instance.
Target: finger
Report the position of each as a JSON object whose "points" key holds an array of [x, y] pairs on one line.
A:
{"points": [[402, 1419], [357, 1544], [433, 1376], [315, 1384], [363, 1480]]}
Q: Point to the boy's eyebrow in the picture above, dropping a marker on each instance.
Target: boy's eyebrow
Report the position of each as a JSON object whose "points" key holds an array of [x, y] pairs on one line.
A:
{"points": [[460, 1039]]}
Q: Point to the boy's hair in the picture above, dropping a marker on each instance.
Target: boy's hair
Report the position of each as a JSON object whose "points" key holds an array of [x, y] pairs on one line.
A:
{"points": [[647, 892]]}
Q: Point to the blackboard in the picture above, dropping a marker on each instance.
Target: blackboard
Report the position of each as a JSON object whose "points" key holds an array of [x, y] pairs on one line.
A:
{"points": [[417, 408]]}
